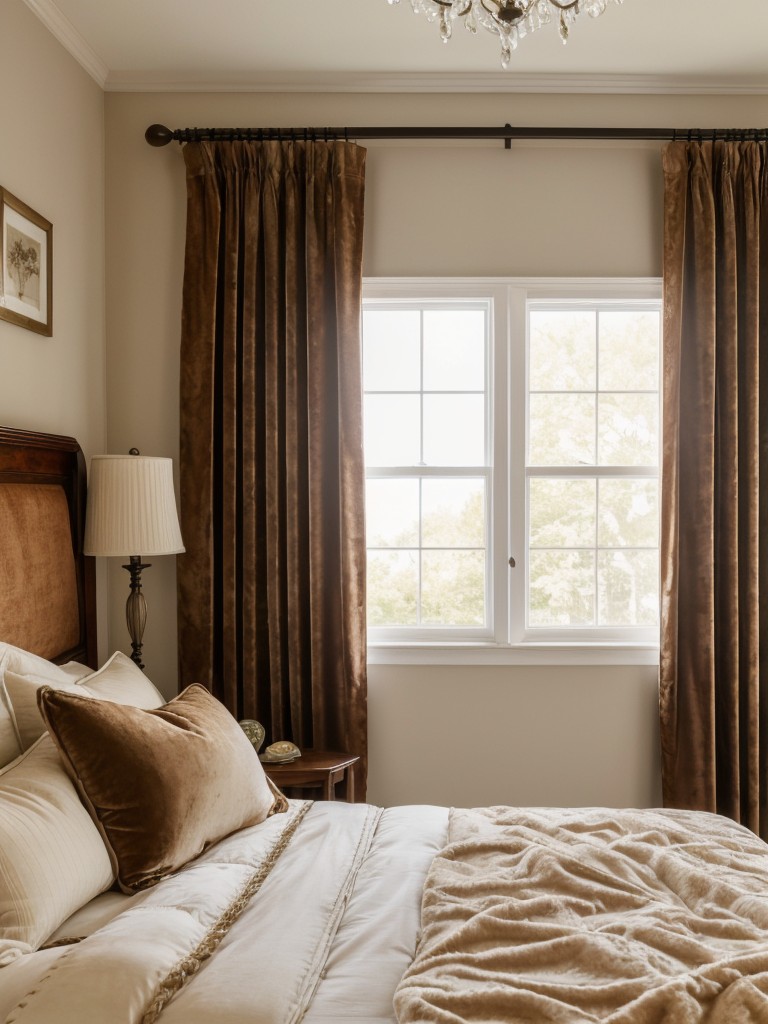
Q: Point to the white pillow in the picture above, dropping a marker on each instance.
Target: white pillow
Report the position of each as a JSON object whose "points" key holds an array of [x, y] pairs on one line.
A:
{"points": [[14, 659], [119, 680], [9, 743], [52, 857]]}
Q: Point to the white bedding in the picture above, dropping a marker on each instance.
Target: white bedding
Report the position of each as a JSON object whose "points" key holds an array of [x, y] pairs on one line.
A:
{"points": [[326, 938], [334, 925]]}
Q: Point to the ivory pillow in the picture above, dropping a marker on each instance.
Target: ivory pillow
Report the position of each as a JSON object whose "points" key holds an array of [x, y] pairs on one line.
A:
{"points": [[14, 659], [118, 680], [162, 785], [52, 858], [9, 742]]}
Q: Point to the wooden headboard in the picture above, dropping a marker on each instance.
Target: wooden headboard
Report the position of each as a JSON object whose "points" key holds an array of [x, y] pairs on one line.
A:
{"points": [[47, 585]]}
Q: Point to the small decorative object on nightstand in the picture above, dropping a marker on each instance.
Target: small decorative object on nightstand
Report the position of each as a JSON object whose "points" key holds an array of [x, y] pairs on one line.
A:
{"points": [[254, 731], [282, 752], [321, 768]]}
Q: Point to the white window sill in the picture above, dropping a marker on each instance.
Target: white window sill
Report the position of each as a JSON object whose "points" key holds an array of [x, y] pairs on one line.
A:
{"points": [[513, 654]]}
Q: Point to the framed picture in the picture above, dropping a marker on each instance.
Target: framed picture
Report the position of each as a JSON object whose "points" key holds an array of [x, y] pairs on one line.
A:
{"points": [[26, 268]]}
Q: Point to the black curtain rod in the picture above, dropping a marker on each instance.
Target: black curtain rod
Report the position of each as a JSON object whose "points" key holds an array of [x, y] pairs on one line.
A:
{"points": [[159, 135]]}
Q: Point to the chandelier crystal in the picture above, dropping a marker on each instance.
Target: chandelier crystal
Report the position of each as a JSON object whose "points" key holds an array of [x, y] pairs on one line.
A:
{"points": [[510, 20]]}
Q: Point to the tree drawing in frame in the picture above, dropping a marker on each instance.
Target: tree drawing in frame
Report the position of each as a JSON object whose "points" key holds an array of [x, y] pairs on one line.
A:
{"points": [[24, 263], [26, 291]]}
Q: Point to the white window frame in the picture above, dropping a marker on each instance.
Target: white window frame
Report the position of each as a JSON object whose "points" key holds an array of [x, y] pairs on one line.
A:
{"points": [[507, 640]]}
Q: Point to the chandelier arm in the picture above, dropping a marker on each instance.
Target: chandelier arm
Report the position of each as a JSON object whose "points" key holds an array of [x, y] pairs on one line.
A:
{"points": [[561, 5], [495, 16]]}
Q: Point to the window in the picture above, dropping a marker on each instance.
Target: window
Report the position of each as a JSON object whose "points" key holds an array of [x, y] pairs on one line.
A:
{"points": [[511, 443], [592, 467], [425, 371]]}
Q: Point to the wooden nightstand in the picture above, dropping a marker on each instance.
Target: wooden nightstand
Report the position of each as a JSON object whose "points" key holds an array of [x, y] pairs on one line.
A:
{"points": [[316, 768]]}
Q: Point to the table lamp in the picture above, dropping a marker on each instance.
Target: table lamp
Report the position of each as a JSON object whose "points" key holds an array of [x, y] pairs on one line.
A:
{"points": [[132, 508]]}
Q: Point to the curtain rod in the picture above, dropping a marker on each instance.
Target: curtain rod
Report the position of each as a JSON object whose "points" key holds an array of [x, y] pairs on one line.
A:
{"points": [[159, 135]]}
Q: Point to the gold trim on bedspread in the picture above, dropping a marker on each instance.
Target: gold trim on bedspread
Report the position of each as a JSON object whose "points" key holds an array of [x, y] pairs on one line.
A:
{"points": [[38, 598], [183, 971]]}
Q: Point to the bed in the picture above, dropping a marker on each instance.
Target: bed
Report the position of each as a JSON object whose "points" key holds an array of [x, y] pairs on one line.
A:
{"points": [[126, 897]]}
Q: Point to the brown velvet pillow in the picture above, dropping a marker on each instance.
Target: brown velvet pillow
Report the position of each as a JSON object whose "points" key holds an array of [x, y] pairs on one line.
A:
{"points": [[161, 785]]}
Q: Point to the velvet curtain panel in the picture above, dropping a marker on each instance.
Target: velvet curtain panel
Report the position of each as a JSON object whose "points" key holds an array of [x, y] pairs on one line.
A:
{"points": [[272, 588], [714, 558]]}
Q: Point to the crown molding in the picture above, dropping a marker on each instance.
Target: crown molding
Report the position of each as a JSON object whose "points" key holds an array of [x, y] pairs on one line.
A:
{"points": [[428, 82], [70, 39]]}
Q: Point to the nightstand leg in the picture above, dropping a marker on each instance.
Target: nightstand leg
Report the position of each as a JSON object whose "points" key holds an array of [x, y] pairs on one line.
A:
{"points": [[330, 787], [351, 784]]}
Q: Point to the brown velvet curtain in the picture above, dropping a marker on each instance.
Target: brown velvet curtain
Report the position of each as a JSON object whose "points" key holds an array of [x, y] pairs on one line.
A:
{"points": [[272, 587], [714, 557]]}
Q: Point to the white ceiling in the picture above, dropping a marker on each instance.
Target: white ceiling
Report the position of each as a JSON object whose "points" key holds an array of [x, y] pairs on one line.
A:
{"points": [[644, 45]]}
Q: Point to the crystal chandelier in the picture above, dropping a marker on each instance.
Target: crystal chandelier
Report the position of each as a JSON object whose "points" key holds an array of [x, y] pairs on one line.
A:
{"points": [[510, 20]]}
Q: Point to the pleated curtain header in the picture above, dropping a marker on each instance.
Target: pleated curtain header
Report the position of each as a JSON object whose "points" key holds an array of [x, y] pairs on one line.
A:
{"points": [[131, 507]]}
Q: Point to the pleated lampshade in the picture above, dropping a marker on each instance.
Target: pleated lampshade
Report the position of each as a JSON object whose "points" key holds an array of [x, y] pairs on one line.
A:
{"points": [[131, 507]]}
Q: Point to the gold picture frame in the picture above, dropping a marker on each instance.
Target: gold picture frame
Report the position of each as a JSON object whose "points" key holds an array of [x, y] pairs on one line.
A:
{"points": [[26, 266]]}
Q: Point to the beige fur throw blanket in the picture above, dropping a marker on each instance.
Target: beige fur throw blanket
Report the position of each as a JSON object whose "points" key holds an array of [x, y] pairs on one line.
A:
{"points": [[569, 916]]}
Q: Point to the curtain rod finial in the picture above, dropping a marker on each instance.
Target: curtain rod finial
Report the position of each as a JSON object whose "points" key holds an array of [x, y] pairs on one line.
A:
{"points": [[158, 135]]}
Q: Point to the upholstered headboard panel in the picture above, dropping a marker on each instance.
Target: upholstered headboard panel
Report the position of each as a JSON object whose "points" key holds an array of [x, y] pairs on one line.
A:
{"points": [[47, 591]]}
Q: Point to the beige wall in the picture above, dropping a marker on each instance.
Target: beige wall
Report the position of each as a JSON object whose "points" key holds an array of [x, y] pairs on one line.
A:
{"points": [[52, 158], [548, 735], [530, 735]]}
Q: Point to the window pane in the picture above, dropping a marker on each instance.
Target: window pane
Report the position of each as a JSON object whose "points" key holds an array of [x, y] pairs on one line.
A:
{"points": [[628, 588], [453, 588], [629, 351], [454, 350], [392, 513], [562, 350], [628, 430], [628, 513], [561, 430], [454, 430], [393, 588], [453, 513], [561, 513], [392, 430], [391, 350], [561, 588]]}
